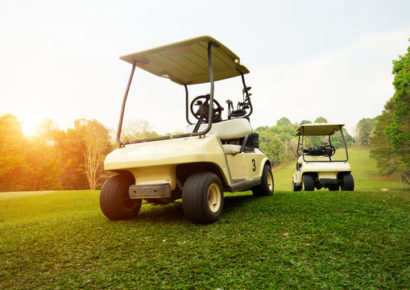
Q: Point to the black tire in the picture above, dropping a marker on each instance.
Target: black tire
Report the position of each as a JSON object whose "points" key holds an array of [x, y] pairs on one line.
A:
{"points": [[308, 183], [334, 187], [267, 185], [202, 198], [114, 199], [296, 187], [347, 182]]}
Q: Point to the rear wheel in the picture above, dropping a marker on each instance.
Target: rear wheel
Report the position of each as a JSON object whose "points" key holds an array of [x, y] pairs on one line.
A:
{"points": [[347, 182], [202, 198], [308, 183], [267, 185], [115, 202], [296, 187]]}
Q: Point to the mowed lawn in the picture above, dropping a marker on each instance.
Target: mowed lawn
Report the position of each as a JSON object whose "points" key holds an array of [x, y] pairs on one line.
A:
{"points": [[318, 239]]}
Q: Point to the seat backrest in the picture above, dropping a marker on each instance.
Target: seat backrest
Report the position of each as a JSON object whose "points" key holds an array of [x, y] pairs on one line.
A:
{"points": [[228, 129], [312, 158]]}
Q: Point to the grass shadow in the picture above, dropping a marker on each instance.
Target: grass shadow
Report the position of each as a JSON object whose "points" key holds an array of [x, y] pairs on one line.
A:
{"points": [[162, 213], [233, 203], [173, 212]]}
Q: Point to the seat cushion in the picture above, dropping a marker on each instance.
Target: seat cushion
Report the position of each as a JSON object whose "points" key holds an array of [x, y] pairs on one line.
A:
{"points": [[225, 130], [312, 158], [231, 149]]}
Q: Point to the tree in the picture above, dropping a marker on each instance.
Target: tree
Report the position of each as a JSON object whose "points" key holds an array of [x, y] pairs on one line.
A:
{"points": [[138, 130], [25, 163], [364, 130], [337, 139], [391, 140], [41, 171], [320, 120], [304, 122], [95, 146], [12, 153], [271, 144], [283, 122], [278, 142], [68, 146], [381, 146]]}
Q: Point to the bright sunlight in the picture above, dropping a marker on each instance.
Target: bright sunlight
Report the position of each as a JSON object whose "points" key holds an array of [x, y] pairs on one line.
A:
{"points": [[30, 121]]}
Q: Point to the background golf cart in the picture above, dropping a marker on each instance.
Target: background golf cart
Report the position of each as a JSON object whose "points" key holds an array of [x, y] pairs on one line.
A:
{"points": [[317, 166], [212, 156]]}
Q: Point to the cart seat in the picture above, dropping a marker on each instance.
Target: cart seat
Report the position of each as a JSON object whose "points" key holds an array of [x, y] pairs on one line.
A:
{"points": [[231, 149], [228, 129], [312, 158]]}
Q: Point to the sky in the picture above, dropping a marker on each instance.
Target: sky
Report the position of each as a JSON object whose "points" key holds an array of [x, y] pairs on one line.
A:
{"points": [[60, 59]]}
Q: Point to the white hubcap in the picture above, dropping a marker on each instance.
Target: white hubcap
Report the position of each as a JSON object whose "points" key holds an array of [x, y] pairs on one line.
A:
{"points": [[270, 181], [214, 197]]}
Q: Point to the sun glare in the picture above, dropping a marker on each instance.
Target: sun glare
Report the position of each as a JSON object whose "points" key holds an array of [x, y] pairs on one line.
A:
{"points": [[30, 123]]}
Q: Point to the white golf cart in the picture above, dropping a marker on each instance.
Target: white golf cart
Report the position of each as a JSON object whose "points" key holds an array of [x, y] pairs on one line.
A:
{"points": [[316, 167], [213, 156]]}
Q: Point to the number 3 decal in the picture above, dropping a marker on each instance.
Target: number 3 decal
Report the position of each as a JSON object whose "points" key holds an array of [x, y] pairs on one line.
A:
{"points": [[254, 165]]}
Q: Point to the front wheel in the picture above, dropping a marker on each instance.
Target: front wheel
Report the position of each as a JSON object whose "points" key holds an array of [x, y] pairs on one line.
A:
{"points": [[202, 198], [267, 183], [115, 202], [296, 187], [308, 183]]}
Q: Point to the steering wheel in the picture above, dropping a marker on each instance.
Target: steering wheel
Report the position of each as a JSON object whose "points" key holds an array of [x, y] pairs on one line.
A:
{"points": [[328, 150], [203, 109]]}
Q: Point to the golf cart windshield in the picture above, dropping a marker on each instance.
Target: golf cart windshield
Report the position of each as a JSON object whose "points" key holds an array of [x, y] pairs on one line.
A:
{"points": [[310, 142], [193, 61]]}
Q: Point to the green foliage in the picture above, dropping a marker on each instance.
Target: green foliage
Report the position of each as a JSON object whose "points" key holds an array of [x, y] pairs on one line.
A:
{"points": [[337, 139], [399, 130], [278, 142], [12, 154], [320, 120], [391, 140], [304, 240], [137, 130], [25, 163], [304, 122], [283, 122], [364, 129], [53, 159]]}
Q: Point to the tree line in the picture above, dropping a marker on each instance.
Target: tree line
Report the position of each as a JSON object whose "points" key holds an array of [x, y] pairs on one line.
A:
{"points": [[58, 159], [390, 136]]}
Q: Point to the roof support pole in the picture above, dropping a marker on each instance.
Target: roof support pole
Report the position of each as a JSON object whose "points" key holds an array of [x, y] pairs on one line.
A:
{"points": [[124, 101], [248, 99], [303, 150], [186, 105], [344, 141], [211, 94]]}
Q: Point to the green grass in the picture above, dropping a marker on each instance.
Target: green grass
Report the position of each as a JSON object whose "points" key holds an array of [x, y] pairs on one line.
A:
{"points": [[364, 171], [334, 240], [317, 239]]}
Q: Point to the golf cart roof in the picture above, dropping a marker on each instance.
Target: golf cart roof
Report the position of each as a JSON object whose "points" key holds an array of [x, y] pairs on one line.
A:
{"points": [[318, 129], [186, 62]]}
